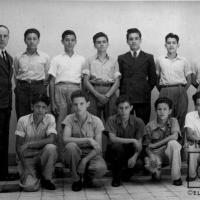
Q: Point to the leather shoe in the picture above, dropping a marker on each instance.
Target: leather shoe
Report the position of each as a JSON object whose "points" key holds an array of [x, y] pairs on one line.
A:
{"points": [[77, 186], [47, 184], [116, 182], [190, 179], [177, 182], [9, 177]]}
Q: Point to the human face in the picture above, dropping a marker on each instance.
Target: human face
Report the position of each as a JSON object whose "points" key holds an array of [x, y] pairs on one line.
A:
{"points": [[40, 109], [69, 42], [80, 105], [101, 44], [171, 45], [124, 110], [4, 36], [134, 41], [32, 41], [163, 111], [197, 106]]}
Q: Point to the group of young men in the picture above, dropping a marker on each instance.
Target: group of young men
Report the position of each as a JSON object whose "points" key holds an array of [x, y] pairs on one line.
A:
{"points": [[87, 94]]}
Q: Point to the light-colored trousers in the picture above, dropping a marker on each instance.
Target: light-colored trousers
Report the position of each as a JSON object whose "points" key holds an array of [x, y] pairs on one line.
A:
{"points": [[172, 152], [194, 159], [42, 164], [96, 167], [63, 93]]}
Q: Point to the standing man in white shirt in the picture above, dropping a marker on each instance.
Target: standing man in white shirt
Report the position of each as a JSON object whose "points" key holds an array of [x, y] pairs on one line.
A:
{"points": [[65, 77], [174, 78], [30, 73]]}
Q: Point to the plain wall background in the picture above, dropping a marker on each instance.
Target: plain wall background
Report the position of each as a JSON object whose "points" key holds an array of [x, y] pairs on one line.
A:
{"points": [[51, 18]]}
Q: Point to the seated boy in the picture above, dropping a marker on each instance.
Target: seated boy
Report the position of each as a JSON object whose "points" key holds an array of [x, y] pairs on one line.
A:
{"points": [[192, 125], [82, 138], [35, 146], [161, 140], [125, 133]]}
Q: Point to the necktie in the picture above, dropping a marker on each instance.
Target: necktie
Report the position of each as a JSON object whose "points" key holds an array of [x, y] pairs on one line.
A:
{"points": [[4, 56], [134, 54]]}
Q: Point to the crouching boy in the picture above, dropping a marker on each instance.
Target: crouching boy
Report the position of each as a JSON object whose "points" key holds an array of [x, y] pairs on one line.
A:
{"points": [[82, 138], [125, 132], [35, 146], [161, 140]]}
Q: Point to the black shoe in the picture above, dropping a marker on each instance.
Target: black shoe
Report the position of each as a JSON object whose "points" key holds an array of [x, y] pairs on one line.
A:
{"points": [[190, 179], [77, 186], [155, 177], [116, 182], [177, 182], [47, 184]]}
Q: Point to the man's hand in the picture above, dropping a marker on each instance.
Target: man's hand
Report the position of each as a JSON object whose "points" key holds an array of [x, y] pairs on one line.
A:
{"points": [[102, 99], [54, 109], [82, 166], [151, 146], [132, 161], [95, 145]]}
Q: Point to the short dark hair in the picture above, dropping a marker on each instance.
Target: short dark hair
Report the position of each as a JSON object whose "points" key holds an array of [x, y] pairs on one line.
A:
{"points": [[123, 99], [133, 30], [79, 93], [41, 98], [31, 30], [98, 35], [68, 32], [195, 97], [165, 100], [172, 35], [3, 26]]}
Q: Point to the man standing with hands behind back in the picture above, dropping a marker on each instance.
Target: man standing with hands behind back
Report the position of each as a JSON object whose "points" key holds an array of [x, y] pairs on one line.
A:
{"points": [[6, 72]]}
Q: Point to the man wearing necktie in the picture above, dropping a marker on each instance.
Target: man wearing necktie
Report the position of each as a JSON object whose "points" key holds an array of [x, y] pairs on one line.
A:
{"points": [[138, 75], [5, 101]]}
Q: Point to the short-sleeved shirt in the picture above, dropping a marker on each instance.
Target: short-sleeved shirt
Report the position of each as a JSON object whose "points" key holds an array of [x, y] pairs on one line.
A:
{"points": [[192, 121], [173, 71], [90, 129], [67, 69], [31, 67], [98, 70], [156, 133], [28, 130], [134, 129], [196, 70]]}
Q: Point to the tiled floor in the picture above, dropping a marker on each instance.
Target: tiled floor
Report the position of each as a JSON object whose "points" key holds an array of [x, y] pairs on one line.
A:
{"points": [[138, 189]]}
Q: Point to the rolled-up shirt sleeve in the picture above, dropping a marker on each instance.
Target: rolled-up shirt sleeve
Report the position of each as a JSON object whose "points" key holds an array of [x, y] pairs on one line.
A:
{"points": [[86, 68], [117, 74], [51, 126], [20, 130], [53, 67]]}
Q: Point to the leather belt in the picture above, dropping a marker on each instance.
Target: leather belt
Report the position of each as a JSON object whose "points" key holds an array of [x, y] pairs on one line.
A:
{"points": [[176, 85], [33, 82]]}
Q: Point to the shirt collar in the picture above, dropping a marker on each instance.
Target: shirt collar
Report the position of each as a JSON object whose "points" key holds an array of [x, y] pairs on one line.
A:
{"points": [[156, 125], [176, 58], [36, 53], [97, 57], [31, 118], [137, 52], [4, 50], [130, 121], [88, 119], [65, 54]]}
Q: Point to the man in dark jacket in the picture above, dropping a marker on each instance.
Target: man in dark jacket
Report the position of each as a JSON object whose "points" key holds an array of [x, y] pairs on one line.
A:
{"points": [[5, 101], [138, 75]]}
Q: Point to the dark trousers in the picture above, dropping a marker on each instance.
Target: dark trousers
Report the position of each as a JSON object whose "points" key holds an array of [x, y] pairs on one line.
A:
{"points": [[24, 93], [119, 160], [142, 111], [4, 138]]}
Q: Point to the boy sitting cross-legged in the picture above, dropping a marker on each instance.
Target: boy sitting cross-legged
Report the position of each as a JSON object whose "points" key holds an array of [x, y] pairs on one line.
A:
{"points": [[161, 142]]}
